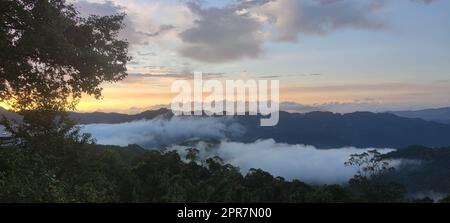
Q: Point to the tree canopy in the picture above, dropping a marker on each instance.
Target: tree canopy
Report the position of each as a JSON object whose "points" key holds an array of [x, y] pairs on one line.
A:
{"points": [[50, 55]]}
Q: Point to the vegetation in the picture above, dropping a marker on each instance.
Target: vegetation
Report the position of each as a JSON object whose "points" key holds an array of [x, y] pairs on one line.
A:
{"points": [[70, 168], [50, 55], [423, 169], [370, 181], [77, 171], [49, 58]]}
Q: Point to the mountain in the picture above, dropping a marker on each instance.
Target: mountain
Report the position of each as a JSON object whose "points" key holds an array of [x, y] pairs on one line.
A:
{"points": [[114, 118], [441, 115], [320, 129], [101, 117], [358, 129]]}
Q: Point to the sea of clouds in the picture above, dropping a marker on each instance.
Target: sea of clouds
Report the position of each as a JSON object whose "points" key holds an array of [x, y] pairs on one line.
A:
{"points": [[303, 162], [160, 131]]}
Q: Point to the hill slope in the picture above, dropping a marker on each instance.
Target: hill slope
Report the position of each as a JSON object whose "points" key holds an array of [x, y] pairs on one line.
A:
{"points": [[320, 129], [359, 129], [441, 115]]}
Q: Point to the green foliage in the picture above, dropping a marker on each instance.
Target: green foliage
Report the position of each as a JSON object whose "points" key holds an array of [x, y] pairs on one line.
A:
{"points": [[72, 171], [446, 199], [423, 169], [370, 182], [80, 171], [50, 55], [191, 154]]}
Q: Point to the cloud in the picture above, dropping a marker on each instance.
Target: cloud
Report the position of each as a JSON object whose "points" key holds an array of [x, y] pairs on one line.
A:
{"points": [[236, 30], [299, 108], [239, 30], [289, 161], [145, 21], [209, 135], [269, 77], [221, 35], [157, 132], [161, 29], [139, 53], [292, 18], [169, 73], [106, 8], [425, 1]]}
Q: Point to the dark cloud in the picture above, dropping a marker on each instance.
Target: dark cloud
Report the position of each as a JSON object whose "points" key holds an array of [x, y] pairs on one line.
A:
{"points": [[236, 31], [292, 18], [239, 30], [161, 29], [245, 4], [269, 77], [220, 35], [425, 1], [178, 74]]}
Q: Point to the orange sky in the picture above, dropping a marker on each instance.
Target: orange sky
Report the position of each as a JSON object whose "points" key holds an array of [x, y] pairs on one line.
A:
{"points": [[137, 94]]}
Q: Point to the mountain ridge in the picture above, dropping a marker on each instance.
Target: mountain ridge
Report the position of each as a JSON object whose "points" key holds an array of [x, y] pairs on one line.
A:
{"points": [[320, 129], [441, 115]]}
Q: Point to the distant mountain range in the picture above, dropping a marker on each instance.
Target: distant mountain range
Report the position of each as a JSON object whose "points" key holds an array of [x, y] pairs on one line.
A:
{"points": [[320, 129], [359, 129], [114, 118], [441, 115]]}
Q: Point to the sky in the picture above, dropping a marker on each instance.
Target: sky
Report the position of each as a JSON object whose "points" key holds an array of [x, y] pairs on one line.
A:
{"points": [[361, 54]]}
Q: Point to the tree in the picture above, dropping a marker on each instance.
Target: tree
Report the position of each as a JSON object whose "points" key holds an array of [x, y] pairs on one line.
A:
{"points": [[192, 154], [446, 199], [371, 167], [50, 55], [370, 164]]}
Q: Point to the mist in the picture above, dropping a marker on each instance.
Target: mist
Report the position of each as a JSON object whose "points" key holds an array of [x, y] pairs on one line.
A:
{"points": [[161, 131], [303, 162]]}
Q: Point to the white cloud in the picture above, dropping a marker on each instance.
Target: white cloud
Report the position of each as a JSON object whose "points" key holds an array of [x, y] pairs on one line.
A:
{"points": [[292, 18], [160, 131], [289, 161], [303, 162], [147, 22], [238, 29]]}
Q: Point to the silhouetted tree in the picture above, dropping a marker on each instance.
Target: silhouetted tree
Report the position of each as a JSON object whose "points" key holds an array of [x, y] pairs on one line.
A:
{"points": [[371, 167], [192, 154], [50, 55]]}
